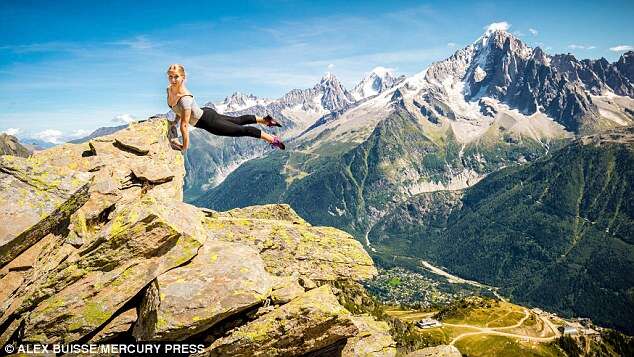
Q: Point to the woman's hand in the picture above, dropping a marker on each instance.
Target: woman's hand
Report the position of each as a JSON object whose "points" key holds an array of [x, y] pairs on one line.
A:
{"points": [[176, 145]]}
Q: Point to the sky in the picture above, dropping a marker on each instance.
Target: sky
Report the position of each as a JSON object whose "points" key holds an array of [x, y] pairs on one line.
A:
{"points": [[70, 67]]}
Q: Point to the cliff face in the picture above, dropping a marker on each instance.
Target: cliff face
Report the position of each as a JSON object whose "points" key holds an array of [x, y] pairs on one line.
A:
{"points": [[100, 247], [9, 145]]}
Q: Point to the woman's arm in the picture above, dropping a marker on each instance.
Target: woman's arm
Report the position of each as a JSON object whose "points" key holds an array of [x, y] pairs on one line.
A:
{"points": [[184, 122]]}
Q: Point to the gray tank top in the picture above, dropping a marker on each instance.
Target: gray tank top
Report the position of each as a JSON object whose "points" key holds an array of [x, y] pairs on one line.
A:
{"points": [[186, 102]]}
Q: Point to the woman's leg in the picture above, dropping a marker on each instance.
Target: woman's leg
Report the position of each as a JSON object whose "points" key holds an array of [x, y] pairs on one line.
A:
{"points": [[223, 127], [241, 120], [214, 123]]}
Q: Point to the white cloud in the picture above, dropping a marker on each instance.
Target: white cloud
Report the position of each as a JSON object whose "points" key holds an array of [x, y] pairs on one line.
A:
{"points": [[621, 48], [49, 135], [79, 133], [140, 42], [124, 118], [331, 66], [12, 131], [533, 31], [451, 44], [503, 26], [581, 47]]}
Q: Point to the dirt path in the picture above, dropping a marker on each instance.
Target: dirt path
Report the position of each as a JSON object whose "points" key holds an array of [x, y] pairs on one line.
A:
{"points": [[494, 330]]}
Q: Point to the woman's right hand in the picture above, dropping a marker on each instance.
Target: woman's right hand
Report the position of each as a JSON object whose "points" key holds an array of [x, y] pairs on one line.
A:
{"points": [[176, 144]]}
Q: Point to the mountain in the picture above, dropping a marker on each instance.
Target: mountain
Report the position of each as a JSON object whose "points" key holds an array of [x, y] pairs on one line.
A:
{"points": [[556, 233], [238, 101], [99, 132], [375, 82], [571, 92], [9, 145], [36, 144]]}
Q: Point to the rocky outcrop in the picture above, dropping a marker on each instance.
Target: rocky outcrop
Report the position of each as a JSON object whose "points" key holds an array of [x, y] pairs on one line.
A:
{"points": [[102, 248], [35, 198], [373, 339], [9, 145], [310, 322]]}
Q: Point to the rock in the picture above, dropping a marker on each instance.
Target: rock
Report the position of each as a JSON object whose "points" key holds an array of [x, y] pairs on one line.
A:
{"points": [[117, 327], [133, 247], [438, 351], [287, 246], [285, 289], [307, 283], [278, 212], [12, 274], [373, 339], [309, 322], [35, 198], [126, 165], [222, 280], [9, 145], [143, 240]]}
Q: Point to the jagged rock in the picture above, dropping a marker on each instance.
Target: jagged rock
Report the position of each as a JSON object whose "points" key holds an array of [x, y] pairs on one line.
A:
{"points": [[286, 289], [287, 246], [144, 239], [197, 271], [222, 280], [126, 165], [12, 275], [35, 198], [117, 327], [9, 145], [373, 339], [282, 212], [309, 322], [438, 351], [306, 283]]}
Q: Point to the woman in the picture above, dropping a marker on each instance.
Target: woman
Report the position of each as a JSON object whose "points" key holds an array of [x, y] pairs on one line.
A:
{"points": [[182, 102]]}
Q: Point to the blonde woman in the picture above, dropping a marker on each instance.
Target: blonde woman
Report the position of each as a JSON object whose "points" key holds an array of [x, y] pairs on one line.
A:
{"points": [[182, 102]]}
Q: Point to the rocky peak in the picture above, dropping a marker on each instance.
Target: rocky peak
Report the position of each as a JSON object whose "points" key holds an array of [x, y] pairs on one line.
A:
{"points": [[101, 248], [375, 82], [333, 95]]}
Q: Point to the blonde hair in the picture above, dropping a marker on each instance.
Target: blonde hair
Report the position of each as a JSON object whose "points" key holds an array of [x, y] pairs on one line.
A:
{"points": [[177, 68]]}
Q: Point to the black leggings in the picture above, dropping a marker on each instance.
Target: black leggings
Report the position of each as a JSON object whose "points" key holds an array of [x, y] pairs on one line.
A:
{"points": [[225, 125]]}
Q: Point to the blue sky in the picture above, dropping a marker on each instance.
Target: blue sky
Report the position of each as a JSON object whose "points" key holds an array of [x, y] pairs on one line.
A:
{"points": [[69, 67]]}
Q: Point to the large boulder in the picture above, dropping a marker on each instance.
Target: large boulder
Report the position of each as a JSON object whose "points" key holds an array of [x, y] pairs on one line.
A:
{"points": [[310, 322], [373, 339], [222, 280], [143, 240], [34, 199], [289, 244]]}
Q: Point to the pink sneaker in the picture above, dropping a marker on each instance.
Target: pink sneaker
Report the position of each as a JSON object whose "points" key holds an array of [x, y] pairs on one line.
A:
{"points": [[277, 143]]}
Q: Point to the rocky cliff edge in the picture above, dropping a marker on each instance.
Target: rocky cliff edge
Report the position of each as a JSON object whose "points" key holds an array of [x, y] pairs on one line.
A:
{"points": [[97, 245]]}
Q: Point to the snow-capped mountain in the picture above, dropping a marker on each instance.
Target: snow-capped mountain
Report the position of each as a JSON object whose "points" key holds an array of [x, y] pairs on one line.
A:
{"points": [[496, 89], [239, 101], [375, 82]]}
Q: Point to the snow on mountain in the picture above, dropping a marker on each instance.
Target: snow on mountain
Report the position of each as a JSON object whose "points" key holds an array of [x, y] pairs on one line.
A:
{"points": [[495, 82], [375, 82], [239, 101]]}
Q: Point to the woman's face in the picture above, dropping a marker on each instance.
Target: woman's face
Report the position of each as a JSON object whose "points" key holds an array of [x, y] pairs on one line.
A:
{"points": [[175, 79]]}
